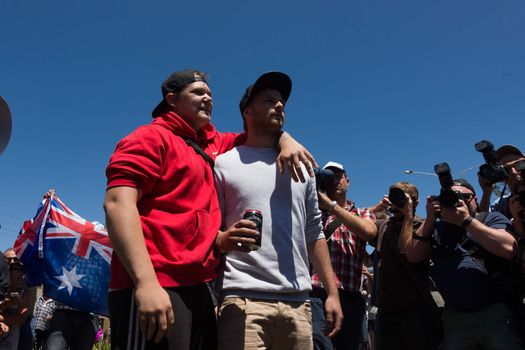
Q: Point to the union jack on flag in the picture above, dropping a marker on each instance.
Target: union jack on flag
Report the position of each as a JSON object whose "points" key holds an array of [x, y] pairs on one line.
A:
{"points": [[69, 254]]}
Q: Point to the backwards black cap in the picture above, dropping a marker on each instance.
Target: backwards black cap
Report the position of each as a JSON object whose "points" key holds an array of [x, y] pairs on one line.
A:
{"points": [[174, 83], [271, 80]]}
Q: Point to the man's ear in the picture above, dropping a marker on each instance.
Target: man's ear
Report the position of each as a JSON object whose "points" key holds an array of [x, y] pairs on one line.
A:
{"points": [[170, 98], [245, 112]]}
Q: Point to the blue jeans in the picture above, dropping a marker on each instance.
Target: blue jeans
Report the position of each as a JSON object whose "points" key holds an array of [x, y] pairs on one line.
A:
{"points": [[493, 327], [321, 341], [71, 329]]}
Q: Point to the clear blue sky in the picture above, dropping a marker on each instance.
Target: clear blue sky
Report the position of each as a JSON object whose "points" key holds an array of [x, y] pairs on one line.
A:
{"points": [[379, 85]]}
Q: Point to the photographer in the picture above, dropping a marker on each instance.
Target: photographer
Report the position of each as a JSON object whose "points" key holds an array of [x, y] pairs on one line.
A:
{"points": [[470, 253], [508, 205], [347, 229], [403, 293]]}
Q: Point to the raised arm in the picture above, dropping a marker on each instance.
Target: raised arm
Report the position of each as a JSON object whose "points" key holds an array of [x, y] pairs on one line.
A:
{"points": [[364, 227], [495, 240], [407, 229], [418, 250], [486, 187]]}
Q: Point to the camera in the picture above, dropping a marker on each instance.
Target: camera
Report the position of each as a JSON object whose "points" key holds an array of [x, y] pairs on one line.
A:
{"points": [[397, 197], [323, 177], [447, 197], [491, 170]]}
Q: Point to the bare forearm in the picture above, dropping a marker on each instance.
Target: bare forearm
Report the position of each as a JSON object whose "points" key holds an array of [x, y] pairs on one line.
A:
{"points": [[320, 260], [496, 241], [484, 203], [366, 229], [417, 250]]}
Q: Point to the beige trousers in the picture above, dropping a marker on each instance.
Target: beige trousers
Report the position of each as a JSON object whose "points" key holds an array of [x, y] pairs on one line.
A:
{"points": [[245, 323]]}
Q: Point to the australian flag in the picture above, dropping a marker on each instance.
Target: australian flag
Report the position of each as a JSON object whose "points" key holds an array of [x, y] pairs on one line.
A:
{"points": [[73, 256]]}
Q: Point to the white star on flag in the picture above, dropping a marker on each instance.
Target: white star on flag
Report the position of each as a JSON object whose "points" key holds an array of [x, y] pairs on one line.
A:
{"points": [[69, 279]]}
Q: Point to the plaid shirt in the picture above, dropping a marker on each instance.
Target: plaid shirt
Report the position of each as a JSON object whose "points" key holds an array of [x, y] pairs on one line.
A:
{"points": [[347, 251], [43, 311]]}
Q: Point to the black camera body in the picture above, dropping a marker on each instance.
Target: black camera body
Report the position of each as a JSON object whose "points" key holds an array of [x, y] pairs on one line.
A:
{"points": [[491, 170], [447, 197], [397, 197], [323, 177]]}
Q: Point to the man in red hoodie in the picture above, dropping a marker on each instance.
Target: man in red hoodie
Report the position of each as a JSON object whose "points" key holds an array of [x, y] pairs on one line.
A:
{"points": [[163, 217]]}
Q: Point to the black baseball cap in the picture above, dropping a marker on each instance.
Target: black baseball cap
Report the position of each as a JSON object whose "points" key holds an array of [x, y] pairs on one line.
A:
{"points": [[508, 149], [270, 80], [464, 183], [174, 83]]}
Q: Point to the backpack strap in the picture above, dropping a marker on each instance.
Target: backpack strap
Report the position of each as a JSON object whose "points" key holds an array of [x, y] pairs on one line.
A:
{"points": [[201, 152]]}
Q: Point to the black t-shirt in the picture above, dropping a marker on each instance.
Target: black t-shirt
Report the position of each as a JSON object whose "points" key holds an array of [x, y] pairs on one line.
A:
{"points": [[396, 287], [466, 275]]}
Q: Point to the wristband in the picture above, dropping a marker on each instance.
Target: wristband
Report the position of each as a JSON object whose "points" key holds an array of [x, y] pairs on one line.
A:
{"points": [[467, 221], [332, 206]]}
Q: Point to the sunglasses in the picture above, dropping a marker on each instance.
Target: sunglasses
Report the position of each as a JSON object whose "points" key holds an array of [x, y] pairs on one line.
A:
{"points": [[466, 197]]}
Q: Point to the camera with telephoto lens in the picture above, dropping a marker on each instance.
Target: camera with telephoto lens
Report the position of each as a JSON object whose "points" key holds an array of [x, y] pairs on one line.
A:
{"points": [[447, 197], [323, 177], [397, 197], [520, 167], [492, 171]]}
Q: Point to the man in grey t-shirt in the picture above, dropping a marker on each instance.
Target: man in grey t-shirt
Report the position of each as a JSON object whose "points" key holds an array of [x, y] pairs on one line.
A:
{"points": [[264, 297]]}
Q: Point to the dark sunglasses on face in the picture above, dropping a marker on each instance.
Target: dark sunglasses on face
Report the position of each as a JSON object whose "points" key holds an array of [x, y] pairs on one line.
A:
{"points": [[466, 197]]}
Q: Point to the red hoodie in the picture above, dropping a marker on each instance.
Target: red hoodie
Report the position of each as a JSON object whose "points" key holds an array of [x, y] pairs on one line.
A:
{"points": [[178, 209]]}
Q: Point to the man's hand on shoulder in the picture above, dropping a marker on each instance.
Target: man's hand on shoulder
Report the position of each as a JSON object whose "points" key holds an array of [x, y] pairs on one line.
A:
{"points": [[292, 155], [155, 311]]}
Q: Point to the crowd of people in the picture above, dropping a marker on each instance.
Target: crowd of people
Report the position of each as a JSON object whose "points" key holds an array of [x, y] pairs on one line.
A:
{"points": [[216, 246], [240, 241], [30, 322]]}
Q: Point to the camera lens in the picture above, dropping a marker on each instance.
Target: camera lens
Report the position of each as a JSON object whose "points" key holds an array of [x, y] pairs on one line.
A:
{"points": [[396, 196]]}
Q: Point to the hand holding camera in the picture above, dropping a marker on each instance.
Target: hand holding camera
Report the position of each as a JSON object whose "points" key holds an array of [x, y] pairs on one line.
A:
{"points": [[325, 203], [455, 215], [491, 171], [433, 208]]}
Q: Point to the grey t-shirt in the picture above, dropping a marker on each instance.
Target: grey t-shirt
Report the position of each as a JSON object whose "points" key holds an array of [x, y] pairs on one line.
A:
{"points": [[247, 178]]}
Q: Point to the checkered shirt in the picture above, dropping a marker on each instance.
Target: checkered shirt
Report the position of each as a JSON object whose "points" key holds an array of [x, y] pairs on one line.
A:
{"points": [[347, 251], [43, 312]]}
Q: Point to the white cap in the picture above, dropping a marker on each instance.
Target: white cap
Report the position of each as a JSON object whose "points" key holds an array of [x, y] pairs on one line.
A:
{"points": [[335, 165]]}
